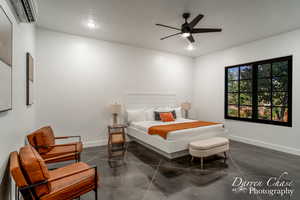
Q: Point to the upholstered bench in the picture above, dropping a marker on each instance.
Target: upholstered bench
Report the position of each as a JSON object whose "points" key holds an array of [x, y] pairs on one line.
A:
{"points": [[208, 147]]}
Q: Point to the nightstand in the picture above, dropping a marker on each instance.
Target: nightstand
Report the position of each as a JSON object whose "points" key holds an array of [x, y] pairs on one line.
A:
{"points": [[116, 140]]}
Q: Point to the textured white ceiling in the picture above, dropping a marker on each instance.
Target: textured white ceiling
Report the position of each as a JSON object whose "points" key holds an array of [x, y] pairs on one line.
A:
{"points": [[133, 21]]}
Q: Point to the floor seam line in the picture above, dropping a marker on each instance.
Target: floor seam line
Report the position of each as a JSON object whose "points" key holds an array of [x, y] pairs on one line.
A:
{"points": [[153, 177]]}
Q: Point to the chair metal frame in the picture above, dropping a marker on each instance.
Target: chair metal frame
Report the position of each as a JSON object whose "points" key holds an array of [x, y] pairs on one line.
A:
{"points": [[28, 191], [77, 154]]}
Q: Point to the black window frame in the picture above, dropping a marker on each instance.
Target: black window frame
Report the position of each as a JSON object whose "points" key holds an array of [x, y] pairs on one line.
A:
{"points": [[254, 79]]}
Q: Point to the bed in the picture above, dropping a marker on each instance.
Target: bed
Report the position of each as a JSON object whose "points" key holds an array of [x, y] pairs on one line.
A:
{"points": [[176, 143]]}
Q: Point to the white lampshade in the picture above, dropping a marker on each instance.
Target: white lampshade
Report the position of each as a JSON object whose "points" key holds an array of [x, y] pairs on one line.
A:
{"points": [[115, 108], [186, 106]]}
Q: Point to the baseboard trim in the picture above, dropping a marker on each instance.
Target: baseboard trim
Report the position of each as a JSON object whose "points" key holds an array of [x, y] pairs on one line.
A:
{"points": [[98, 143], [94, 143], [266, 145]]}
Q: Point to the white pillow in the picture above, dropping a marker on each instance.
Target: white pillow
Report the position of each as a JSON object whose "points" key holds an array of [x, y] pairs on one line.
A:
{"points": [[163, 109], [178, 112], [149, 114], [136, 115]]}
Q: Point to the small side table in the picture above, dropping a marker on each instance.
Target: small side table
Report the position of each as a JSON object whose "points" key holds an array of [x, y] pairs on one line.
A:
{"points": [[116, 137]]}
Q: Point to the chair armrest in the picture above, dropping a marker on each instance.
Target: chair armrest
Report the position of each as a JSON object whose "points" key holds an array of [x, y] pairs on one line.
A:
{"points": [[67, 137], [61, 156], [33, 185], [58, 145], [57, 178], [73, 173]]}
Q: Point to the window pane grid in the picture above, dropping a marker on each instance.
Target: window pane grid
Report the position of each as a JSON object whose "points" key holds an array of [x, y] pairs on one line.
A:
{"points": [[262, 95], [246, 79], [271, 92], [242, 92], [274, 106], [268, 77], [239, 100]]}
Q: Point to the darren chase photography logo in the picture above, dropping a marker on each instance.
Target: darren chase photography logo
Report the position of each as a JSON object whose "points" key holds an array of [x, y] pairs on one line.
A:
{"points": [[272, 186]]}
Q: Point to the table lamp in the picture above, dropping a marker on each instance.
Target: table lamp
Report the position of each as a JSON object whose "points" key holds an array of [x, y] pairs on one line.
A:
{"points": [[186, 106], [115, 110]]}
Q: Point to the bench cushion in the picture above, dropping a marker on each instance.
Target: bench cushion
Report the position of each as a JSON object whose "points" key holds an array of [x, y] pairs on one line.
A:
{"points": [[209, 143]]}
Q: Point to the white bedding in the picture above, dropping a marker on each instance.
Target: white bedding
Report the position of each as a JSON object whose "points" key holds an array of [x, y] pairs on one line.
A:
{"points": [[143, 127]]}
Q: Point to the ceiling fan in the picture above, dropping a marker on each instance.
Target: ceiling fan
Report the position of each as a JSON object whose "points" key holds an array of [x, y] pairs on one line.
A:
{"points": [[188, 29]]}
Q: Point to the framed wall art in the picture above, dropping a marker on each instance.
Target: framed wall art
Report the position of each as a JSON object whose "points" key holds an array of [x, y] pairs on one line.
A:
{"points": [[6, 35], [29, 79]]}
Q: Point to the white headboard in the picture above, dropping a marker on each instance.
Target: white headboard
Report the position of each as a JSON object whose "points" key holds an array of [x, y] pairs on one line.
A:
{"points": [[149, 100]]}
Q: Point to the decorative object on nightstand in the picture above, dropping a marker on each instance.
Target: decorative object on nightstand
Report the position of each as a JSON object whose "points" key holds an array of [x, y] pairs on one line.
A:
{"points": [[116, 139], [186, 106], [115, 110]]}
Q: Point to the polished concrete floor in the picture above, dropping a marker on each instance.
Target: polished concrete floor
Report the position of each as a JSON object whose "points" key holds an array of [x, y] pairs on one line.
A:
{"points": [[145, 175]]}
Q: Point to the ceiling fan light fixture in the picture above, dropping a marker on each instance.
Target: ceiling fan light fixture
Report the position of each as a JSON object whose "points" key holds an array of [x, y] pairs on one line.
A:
{"points": [[188, 29], [185, 35]]}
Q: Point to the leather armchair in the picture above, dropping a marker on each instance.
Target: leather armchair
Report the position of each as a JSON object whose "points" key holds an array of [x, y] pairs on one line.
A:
{"points": [[43, 140], [36, 182]]}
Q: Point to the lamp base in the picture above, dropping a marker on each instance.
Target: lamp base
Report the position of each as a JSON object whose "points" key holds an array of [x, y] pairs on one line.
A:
{"points": [[115, 119], [186, 114]]}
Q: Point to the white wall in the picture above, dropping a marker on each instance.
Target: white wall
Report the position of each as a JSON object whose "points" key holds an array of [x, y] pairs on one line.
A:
{"points": [[16, 123], [77, 78], [209, 90]]}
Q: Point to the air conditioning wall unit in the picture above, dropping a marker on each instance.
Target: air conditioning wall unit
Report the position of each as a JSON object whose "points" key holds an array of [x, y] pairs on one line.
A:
{"points": [[26, 10]]}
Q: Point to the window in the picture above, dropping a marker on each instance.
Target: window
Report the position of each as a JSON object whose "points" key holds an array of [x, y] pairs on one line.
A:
{"points": [[260, 91]]}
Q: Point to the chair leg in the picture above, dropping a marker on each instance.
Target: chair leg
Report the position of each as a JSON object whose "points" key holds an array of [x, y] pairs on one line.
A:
{"points": [[96, 194], [109, 150], [96, 183], [225, 157], [192, 159]]}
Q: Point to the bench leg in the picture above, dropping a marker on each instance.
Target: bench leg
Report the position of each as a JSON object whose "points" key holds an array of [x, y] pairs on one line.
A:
{"points": [[201, 162], [225, 155]]}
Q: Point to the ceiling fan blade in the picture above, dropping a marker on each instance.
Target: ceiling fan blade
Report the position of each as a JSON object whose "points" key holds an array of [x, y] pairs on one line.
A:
{"points": [[178, 29], [170, 36], [191, 39], [205, 30], [195, 21]]}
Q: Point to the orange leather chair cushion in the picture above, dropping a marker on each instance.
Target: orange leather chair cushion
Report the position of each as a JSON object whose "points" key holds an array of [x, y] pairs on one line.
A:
{"points": [[31, 139], [35, 169], [166, 117], [62, 150], [44, 137], [15, 170], [71, 186]]}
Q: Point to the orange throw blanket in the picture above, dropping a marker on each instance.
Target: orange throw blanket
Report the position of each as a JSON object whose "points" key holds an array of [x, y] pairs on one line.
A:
{"points": [[163, 130]]}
